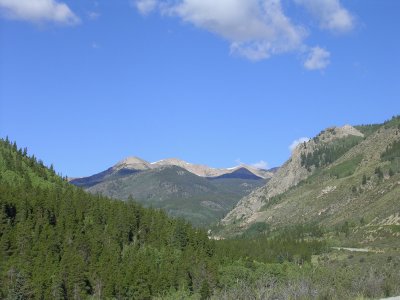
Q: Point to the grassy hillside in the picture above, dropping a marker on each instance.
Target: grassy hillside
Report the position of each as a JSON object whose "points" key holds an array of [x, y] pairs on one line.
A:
{"points": [[352, 180]]}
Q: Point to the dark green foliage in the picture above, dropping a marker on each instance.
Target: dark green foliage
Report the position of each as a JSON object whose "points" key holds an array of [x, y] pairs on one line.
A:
{"points": [[328, 153], [58, 242], [379, 172], [364, 180], [367, 130], [291, 244], [346, 168], [392, 152], [271, 201], [256, 229], [205, 292], [393, 123], [345, 228], [19, 288]]}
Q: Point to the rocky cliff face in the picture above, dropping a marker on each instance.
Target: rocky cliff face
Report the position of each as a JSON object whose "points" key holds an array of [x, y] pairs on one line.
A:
{"points": [[289, 175]]}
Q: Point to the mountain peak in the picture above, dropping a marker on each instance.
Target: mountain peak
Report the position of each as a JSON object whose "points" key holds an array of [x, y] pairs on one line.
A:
{"points": [[332, 133], [132, 162], [171, 161], [241, 172]]}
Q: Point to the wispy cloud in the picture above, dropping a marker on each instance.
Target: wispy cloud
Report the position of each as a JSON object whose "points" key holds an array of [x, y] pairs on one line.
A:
{"points": [[297, 142], [260, 165], [256, 29], [318, 59], [93, 15], [145, 6], [330, 14], [38, 11], [239, 162]]}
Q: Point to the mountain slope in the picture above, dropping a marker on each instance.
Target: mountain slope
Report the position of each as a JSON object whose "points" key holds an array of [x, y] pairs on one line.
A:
{"points": [[339, 176], [183, 189], [133, 165], [125, 167], [240, 173], [58, 242], [181, 193], [205, 171]]}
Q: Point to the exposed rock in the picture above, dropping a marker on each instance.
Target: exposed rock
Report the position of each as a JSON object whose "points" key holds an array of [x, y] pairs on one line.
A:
{"points": [[289, 175], [326, 191], [132, 163], [205, 171]]}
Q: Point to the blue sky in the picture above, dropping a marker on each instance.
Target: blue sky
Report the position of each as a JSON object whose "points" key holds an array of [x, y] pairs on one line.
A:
{"points": [[84, 84]]}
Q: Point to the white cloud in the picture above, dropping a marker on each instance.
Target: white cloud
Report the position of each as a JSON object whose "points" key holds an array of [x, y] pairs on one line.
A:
{"points": [[38, 11], [318, 59], [260, 165], [145, 6], [330, 14], [255, 29], [239, 162], [298, 142]]}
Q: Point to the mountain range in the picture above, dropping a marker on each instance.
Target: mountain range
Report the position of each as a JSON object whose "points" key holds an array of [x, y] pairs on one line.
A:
{"points": [[344, 176], [59, 242], [198, 193]]}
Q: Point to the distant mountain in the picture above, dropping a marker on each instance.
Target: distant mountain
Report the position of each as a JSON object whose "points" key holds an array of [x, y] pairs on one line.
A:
{"points": [[125, 167], [344, 174], [57, 242], [198, 193], [239, 173], [205, 171]]}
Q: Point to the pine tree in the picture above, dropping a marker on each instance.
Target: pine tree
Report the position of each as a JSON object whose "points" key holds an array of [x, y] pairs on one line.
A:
{"points": [[205, 290]]}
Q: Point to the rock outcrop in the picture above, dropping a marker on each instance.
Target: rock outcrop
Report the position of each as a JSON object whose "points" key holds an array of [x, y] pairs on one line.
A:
{"points": [[289, 175]]}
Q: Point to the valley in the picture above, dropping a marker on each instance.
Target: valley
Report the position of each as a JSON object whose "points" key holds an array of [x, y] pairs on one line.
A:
{"points": [[325, 225]]}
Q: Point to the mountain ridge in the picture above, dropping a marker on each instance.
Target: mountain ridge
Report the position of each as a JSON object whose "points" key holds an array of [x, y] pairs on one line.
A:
{"points": [[135, 163], [179, 187], [290, 174], [338, 176]]}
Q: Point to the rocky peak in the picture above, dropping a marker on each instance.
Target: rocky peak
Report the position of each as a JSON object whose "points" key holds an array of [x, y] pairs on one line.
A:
{"points": [[333, 133], [133, 162], [170, 162], [289, 175]]}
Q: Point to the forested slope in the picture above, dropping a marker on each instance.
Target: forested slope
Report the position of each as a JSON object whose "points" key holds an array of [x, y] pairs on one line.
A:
{"points": [[59, 242]]}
